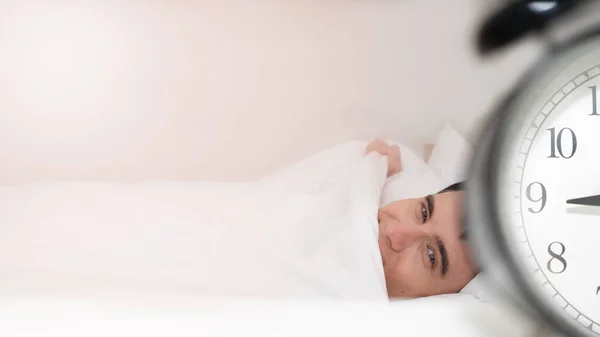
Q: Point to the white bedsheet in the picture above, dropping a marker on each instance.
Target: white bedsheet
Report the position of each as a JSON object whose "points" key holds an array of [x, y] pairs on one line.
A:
{"points": [[309, 230], [446, 316]]}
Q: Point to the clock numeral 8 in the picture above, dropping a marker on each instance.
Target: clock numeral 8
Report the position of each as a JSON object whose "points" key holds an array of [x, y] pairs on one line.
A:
{"points": [[556, 143], [558, 257], [541, 199]]}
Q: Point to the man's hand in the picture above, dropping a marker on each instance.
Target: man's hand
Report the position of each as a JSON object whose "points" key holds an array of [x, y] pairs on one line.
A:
{"points": [[392, 153]]}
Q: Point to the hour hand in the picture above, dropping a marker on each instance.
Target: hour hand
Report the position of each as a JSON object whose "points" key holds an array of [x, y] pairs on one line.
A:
{"points": [[592, 200]]}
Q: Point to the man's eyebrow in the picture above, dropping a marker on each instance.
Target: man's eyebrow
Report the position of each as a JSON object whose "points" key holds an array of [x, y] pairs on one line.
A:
{"points": [[444, 254], [430, 203]]}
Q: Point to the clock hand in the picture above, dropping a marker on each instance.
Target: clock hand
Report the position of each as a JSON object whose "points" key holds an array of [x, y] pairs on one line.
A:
{"points": [[592, 200]]}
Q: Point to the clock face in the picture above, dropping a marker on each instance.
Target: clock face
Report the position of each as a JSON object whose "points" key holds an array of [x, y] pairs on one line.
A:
{"points": [[551, 154]]}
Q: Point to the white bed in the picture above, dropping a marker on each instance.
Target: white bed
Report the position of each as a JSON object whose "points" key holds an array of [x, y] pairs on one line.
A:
{"points": [[142, 260]]}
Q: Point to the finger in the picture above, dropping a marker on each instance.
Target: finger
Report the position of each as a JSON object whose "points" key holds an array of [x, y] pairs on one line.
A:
{"points": [[394, 151], [378, 145], [394, 160]]}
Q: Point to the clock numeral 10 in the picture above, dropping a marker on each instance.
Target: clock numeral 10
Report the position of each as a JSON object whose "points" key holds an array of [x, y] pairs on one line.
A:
{"points": [[556, 143], [556, 258], [594, 101], [542, 196]]}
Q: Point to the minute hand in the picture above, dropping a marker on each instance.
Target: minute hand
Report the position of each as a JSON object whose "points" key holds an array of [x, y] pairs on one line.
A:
{"points": [[592, 200]]}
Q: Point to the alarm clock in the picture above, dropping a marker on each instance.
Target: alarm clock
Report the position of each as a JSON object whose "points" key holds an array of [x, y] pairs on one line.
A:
{"points": [[533, 193]]}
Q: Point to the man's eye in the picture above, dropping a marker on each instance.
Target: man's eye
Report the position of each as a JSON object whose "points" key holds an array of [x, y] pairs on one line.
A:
{"points": [[424, 213], [431, 254]]}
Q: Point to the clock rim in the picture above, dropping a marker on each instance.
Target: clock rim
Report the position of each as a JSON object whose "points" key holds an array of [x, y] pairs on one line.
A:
{"points": [[483, 180]]}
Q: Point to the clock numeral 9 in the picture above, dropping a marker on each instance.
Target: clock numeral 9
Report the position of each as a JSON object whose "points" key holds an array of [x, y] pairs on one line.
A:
{"points": [[542, 196], [556, 143], [558, 257]]}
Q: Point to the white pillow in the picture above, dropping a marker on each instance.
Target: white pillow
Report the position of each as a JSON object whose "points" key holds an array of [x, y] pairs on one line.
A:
{"points": [[414, 184], [416, 179], [450, 155], [480, 288]]}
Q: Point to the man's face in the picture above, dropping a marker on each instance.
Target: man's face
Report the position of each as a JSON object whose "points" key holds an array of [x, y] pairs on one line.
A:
{"points": [[422, 251]]}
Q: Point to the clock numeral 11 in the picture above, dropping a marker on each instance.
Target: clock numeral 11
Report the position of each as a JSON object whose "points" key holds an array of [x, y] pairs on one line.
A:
{"points": [[594, 101], [556, 143]]}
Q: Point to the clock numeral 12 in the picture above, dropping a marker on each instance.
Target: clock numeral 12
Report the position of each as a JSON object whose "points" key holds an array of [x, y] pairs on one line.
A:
{"points": [[556, 143], [594, 101], [558, 257]]}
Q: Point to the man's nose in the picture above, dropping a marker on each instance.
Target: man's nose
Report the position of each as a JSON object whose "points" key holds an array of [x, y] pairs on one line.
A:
{"points": [[403, 236]]}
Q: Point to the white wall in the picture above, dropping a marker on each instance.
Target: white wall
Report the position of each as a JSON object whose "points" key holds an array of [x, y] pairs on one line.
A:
{"points": [[131, 90]]}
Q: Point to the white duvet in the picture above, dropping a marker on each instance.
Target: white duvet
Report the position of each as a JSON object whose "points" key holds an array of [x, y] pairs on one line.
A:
{"points": [[101, 259], [309, 230]]}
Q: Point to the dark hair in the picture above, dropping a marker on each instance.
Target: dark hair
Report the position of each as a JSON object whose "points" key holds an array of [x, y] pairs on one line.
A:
{"points": [[454, 187], [459, 186]]}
